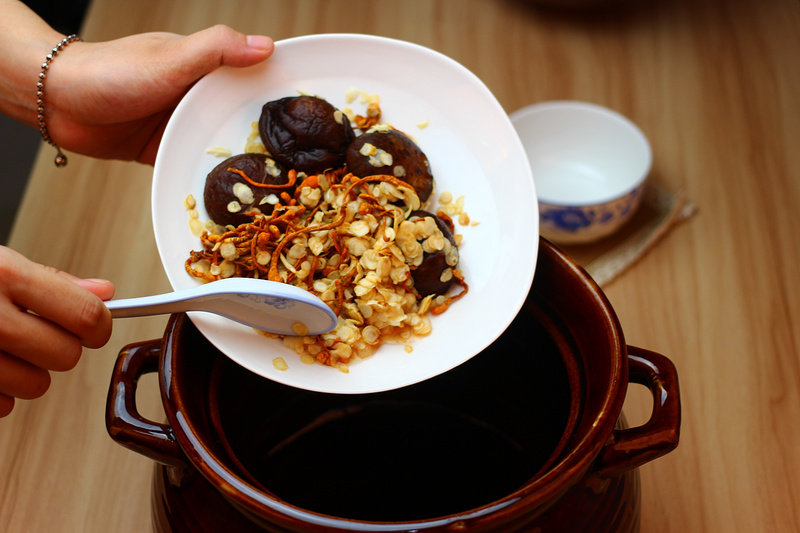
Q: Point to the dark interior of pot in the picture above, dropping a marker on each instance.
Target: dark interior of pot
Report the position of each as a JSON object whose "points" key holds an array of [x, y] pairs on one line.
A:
{"points": [[447, 445], [453, 443]]}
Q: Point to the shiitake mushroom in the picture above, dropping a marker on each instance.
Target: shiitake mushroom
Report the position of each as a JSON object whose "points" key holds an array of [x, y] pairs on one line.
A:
{"points": [[227, 202], [428, 275], [305, 133], [405, 159]]}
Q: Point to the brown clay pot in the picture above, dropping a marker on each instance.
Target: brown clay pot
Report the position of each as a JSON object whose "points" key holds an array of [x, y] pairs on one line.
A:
{"points": [[526, 436]]}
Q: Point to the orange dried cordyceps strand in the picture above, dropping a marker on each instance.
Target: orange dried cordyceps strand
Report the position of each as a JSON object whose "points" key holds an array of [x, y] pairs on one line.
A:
{"points": [[196, 273], [441, 308], [373, 117], [273, 267], [292, 174], [310, 181], [263, 240], [324, 357]]}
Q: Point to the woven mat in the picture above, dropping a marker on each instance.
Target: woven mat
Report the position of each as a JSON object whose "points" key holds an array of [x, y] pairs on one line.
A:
{"points": [[660, 211]]}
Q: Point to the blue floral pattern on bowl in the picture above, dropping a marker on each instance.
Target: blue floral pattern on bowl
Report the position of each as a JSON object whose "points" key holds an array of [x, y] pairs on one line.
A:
{"points": [[273, 301], [576, 224]]}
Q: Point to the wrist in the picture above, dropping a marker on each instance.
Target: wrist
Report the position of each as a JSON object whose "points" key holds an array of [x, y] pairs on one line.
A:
{"points": [[25, 40]]}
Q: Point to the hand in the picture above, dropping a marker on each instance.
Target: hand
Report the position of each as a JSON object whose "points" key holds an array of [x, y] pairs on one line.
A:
{"points": [[113, 99], [110, 99], [46, 318]]}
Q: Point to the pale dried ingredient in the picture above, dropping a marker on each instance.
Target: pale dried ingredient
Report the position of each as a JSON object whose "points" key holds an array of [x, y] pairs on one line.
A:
{"points": [[189, 202], [299, 328], [197, 228], [243, 192], [219, 151]]}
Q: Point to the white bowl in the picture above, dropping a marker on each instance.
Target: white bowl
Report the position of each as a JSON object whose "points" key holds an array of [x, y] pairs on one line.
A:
{"points": [[473, 151], [590, 165]]}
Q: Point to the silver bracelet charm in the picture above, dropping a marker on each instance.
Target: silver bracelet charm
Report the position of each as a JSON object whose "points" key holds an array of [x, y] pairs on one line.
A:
{"points": [[61, 159]]}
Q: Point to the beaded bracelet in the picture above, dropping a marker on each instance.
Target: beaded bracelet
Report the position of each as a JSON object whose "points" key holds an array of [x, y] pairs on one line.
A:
{"points": [[61, 159]]}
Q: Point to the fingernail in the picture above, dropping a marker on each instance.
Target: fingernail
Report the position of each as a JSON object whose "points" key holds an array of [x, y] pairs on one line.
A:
{"points": [[96, 281], [102, 288], [259, 42]]}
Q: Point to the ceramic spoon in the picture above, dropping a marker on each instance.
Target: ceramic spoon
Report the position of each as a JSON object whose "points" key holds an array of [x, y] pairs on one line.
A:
{"points": [[266, 305]]}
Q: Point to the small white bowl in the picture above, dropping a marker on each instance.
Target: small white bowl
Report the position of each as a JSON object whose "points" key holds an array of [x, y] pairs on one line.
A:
{"points": [[589, 164]]}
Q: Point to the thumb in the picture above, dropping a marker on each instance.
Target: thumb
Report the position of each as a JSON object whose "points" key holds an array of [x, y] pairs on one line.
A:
{"points": [[219, 45]]}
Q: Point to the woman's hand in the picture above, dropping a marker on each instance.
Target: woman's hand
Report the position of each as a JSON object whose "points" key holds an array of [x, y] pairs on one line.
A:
{"points": [[46, 318], [110, 99], [113, 99]]}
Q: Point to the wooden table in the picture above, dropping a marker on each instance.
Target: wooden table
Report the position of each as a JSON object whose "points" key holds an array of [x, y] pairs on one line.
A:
{"points": [[714, 84]]}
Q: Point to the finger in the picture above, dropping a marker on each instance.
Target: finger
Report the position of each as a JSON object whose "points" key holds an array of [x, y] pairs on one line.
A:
{"points": [[102, 288], [218, 45], [6, 405], [53, 296], [21, 379], [34, 339]]}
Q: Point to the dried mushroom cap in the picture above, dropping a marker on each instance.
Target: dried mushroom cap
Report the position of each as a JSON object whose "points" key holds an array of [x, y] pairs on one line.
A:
{"points": [[228, 196], [383, 150], [305, 133], [434, 274]]}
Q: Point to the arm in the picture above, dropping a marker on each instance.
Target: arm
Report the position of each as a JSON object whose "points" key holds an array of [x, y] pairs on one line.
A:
{"points": [[25, 41], [110, 99]]}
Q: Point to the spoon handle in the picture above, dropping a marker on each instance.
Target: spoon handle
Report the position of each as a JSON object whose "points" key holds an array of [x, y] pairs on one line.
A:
{"points": [[262, 304], [158, 304]]}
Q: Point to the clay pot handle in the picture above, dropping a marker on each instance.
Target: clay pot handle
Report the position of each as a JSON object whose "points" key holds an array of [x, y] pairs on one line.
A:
{"points": [[123, 421], [632, 447]]}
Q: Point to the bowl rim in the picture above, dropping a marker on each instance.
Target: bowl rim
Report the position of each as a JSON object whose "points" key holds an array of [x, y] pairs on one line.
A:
{"points": [[526, 112]]}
